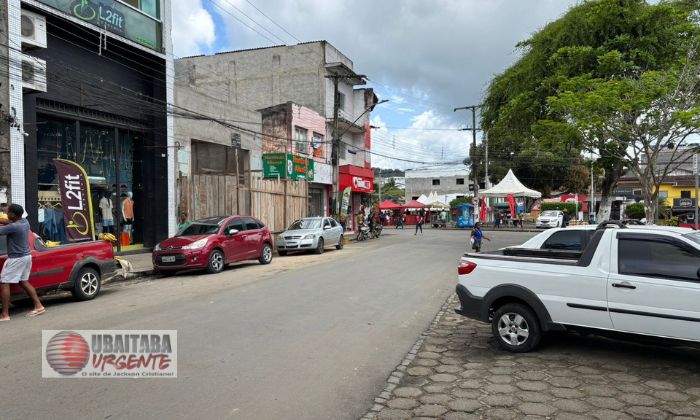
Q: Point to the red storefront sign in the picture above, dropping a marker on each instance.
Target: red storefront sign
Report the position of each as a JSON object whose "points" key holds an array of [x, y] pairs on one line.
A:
{"points": [[358, 179]]}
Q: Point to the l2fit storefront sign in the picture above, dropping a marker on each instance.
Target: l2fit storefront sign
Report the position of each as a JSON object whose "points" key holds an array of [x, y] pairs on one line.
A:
{"points": [[115, 17], [76, 200], [288, 166]]}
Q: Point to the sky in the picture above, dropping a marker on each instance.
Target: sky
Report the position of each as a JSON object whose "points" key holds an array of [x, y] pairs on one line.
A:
{"points": [[426, 57]]}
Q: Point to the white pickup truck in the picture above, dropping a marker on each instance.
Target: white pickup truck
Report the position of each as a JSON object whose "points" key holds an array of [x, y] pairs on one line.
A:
{"points": [[637, 280]]}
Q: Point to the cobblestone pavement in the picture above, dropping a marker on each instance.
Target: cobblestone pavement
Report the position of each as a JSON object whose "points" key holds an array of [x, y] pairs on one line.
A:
{"points": [[457, 371]]}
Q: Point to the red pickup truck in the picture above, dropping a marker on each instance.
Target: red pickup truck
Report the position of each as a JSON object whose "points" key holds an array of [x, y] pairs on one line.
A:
{"points": [[79, 268]]}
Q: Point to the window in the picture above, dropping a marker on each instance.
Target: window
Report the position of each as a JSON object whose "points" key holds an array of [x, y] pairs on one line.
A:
{"points": [[261, 225], [301, 140], [570, 240], [460, 181], [436, 182], [250, 223], [237, 224], [665, 258], [636, 192], [149, 7], [685, 194], [333, 222], [326, 223], [663, 194], [341, 101]]}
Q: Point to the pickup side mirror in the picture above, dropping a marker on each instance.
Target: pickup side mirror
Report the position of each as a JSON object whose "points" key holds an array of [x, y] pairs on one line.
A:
{"points": [[232, 232]]}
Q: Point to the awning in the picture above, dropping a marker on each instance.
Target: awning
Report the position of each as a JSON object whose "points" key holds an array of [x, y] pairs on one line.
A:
{"points": [[389, 205], [414, 204]]}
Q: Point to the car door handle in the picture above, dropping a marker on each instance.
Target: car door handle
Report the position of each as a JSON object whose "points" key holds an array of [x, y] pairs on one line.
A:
{"points": [[624, 285]]}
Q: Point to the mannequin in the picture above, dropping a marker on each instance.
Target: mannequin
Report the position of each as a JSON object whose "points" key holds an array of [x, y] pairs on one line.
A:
{"points": [[128, 213], [107, 216]]}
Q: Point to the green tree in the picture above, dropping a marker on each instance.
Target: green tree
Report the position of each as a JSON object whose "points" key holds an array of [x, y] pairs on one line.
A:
{"points": [[596, 40], [457, 201], [635, 211]]}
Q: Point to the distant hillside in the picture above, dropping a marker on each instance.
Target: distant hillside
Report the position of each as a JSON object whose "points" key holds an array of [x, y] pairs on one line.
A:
{"points": [[388, 173]]}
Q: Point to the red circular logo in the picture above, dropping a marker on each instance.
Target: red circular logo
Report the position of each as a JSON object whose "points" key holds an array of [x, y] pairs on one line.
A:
{"points": [[67, 353]]}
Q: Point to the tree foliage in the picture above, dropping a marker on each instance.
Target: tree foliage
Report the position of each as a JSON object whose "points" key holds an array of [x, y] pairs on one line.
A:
{"points": [[596, 40], [635, 211]]}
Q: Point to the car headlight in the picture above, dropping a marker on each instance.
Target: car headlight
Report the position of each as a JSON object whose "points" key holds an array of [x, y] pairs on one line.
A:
{"points": [[196, 245], [309, 236], [157, 247]]}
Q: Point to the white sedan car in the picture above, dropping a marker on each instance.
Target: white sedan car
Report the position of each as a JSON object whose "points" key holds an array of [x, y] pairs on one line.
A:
{"points": [[550, 219], [311, 233]]}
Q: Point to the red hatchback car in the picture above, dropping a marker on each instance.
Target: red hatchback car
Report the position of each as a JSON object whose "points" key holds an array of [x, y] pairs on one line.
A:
{"points": [[212, 243]]}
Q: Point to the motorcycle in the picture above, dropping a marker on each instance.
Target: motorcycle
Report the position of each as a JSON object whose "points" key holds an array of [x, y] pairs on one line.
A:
{"points": [[377, 231], [363, 233]]}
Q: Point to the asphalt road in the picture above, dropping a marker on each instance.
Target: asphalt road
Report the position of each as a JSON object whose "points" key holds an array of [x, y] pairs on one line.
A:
{"points": [[308, 336]]}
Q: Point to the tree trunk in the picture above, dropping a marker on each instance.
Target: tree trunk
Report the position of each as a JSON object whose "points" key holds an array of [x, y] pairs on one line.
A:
{"points": [[612, 174]]}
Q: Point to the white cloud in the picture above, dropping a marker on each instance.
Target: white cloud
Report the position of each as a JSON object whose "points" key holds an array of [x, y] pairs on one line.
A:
{"points": [[193, 28]]}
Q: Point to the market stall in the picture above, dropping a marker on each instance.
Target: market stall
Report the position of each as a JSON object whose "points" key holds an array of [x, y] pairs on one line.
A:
{"points": [[411, 211], [509, 189]]}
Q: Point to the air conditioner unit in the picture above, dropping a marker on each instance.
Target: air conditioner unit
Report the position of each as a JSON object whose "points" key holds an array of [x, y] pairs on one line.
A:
{"points": [[33, 29], [33, 73]]}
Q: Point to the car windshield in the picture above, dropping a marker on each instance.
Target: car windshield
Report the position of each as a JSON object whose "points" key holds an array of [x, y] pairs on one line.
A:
{"points": [[199, 229], [549, 214], [306, 224]]}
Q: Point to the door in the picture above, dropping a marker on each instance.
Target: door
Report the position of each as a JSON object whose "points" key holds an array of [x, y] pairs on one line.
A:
{"points": [[234, 245], [328, 234], [337, 230], [654, 289], [253, 237], [50, 266]]}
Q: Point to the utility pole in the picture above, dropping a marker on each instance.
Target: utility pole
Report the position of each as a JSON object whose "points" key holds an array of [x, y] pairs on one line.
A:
{"points": [[5, 126], [592, 209], [487, 182], [695, 172], [475, 179]]}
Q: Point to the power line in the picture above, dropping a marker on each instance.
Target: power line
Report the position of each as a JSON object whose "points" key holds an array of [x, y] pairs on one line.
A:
{"points": [[252, 20], [273, 21]]}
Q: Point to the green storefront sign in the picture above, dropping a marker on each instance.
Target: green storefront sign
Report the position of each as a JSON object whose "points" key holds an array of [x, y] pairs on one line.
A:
{"points": [[282, 165], [115, 17]]}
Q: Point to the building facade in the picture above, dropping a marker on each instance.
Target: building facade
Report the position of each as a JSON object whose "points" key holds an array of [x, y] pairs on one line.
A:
{"points": [[303, 74], [93, 90], [295, 129], [445, 180]]}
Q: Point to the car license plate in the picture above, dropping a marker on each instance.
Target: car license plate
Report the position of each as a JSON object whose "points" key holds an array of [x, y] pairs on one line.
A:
{"points": [[168, 259]]}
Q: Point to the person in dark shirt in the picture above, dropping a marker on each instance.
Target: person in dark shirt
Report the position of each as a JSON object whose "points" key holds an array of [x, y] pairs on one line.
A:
{"points": [[19, 261]]}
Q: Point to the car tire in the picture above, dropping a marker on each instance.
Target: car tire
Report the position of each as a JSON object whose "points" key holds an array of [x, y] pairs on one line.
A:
{"points": [[87, 284], [341, 243], [265, 254], [216, 262], [320, 246], [516, 328], [282, 253]]}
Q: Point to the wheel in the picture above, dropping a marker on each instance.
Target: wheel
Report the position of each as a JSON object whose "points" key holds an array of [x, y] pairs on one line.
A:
{"points": [[216, 262], [341, 243], [320, 246], [265, 254], [282, 253], [87, 284], [516, 328]]}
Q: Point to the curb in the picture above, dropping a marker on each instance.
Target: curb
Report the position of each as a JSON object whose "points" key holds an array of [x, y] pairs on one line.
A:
{"points": [[395, 377]]}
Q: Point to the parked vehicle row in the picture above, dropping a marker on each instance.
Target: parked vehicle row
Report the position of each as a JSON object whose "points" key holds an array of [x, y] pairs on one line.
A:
{"points": [[639, 280], [214, 242]]}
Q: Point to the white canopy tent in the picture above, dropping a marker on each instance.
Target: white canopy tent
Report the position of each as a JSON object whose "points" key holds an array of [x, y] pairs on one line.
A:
{"points": [[423, 199], [510, 185]]}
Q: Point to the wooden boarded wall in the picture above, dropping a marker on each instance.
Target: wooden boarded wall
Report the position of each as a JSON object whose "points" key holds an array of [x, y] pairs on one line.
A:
{"points": [[278, 203]]}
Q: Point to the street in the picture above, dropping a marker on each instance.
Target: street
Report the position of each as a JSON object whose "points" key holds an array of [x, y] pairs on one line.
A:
{"points": [[308, 336]]}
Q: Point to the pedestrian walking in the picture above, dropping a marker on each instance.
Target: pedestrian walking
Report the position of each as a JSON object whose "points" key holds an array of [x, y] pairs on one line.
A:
{"points": [[419, 224], [497, 221], [520, 220], [477, 236], [19, 261]]}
